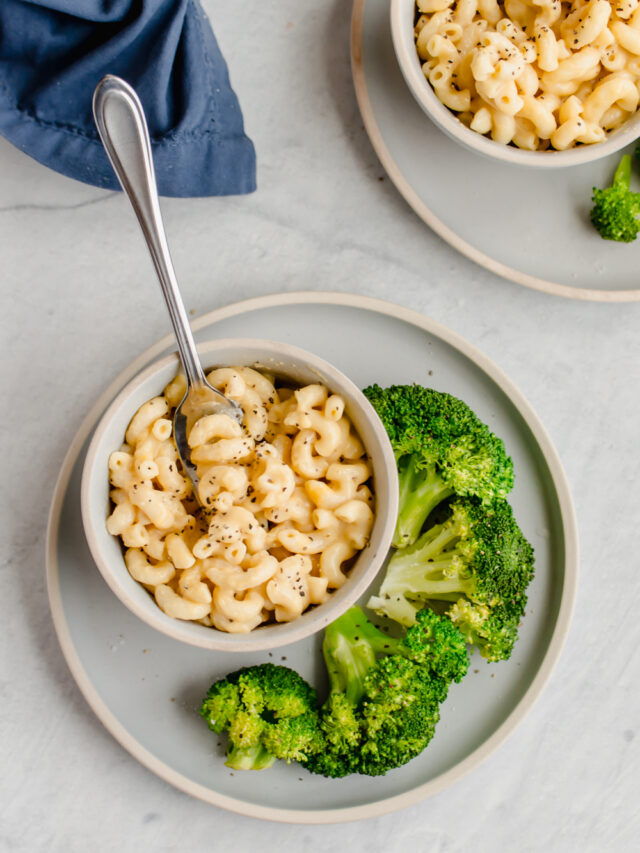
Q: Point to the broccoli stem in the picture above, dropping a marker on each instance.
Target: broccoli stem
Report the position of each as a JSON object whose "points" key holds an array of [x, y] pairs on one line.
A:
{"points": [[427, 569], [395, 606], [421, 490], [350, 646], [249, 758], [437, 579], [622, 174]]}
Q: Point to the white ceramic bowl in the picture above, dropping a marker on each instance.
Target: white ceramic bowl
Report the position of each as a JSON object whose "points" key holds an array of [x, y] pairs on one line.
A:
{"points": [[402, 24], [301, 368]]}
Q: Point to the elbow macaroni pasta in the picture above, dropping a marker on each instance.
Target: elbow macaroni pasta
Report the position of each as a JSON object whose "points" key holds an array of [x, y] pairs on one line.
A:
{"points": [[287, 497], [509, 69]]}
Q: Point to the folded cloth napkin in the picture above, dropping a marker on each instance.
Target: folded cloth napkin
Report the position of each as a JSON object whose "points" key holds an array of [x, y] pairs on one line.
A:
{"points": [[54, 52]]}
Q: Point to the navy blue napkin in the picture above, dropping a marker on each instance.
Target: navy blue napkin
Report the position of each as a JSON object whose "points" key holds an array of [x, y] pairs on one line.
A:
{"points": [[54, 52]]}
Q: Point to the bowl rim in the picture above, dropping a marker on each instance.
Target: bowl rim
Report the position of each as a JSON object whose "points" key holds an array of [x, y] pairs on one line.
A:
{"points": [[313, 619], [447, 121]]}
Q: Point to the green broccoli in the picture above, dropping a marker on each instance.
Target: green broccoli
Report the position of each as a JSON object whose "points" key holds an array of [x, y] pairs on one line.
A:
{"points": [[269, 712], [475, 566], [616, 208], [385, 693], [441, 449]]}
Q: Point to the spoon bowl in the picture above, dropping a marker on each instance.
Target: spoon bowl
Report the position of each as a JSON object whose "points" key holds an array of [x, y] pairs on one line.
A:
{"points": [[199, 401]]}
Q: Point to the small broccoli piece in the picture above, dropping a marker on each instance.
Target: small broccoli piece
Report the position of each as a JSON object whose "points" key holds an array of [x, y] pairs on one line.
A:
{"points": [[385, 693], [431, 642], [616, 208], [442, 449], [476, 566], [268, 711], [493, 630]]}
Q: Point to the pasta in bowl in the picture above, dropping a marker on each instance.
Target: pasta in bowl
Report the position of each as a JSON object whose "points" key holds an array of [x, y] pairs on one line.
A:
{"points": [[299, 503], [534, 82]]}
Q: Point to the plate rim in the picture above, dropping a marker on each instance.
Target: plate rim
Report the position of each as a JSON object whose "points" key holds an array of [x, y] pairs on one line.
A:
{"points": [[499, 736], [428, 216]]}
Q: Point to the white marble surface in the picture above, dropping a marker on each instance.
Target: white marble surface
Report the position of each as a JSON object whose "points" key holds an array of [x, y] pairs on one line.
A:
{"points": [[76, 281]]}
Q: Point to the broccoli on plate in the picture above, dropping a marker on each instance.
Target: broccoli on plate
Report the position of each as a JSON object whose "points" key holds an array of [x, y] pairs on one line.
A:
{"points": [[442, 449], [616, 208], [475, 566], [382, 708], [385, 693], [268, 711]]}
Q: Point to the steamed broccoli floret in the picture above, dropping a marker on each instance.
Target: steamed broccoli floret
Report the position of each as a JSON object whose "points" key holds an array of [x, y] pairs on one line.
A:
{"points": [[385, 693], [476, 566], [616, 208], [441, 449], [269, 712], [380, 713], [493, 630]]}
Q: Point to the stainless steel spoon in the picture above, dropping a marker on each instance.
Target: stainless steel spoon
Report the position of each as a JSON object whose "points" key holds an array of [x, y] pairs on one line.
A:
{"points": [[123, 130]]}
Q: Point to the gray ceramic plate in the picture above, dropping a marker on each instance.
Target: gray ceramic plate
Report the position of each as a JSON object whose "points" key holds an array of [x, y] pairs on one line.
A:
{"points": [[145, 687], [528, 225]]}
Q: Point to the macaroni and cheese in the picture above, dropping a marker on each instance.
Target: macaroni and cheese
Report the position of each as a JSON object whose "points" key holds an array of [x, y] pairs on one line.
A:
{"points": [[535, 73], [287, 502]]}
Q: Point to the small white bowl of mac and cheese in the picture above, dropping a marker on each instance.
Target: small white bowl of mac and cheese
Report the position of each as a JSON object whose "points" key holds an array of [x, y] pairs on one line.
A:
{"points": [[544, 83], [295, 512]]}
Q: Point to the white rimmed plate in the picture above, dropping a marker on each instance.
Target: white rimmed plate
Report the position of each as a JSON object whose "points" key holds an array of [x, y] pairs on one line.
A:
{"points": [[529, 226], [145, 687]]}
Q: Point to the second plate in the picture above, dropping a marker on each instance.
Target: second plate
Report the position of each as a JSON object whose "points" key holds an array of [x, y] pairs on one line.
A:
{"points": [[527, 225]]}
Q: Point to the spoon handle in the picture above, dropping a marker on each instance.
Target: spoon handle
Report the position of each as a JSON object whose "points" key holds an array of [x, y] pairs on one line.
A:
{"points": [[123, 130]]}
